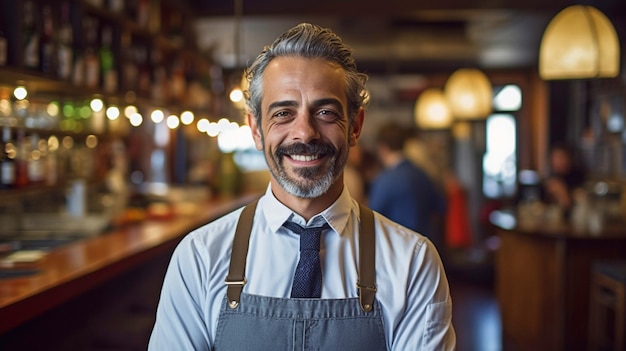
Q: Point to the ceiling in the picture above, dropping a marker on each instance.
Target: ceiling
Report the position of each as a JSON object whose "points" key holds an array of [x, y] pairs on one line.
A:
{"points": [[392, 36]]}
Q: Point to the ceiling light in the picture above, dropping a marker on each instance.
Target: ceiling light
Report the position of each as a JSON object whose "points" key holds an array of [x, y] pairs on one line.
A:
{"points": [[469, 94], [579, 42], [431, 110]]}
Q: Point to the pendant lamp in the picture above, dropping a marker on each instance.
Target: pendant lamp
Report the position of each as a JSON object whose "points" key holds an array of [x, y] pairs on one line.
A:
{"points": [[579, 42], [432, 111], [469, 94]]}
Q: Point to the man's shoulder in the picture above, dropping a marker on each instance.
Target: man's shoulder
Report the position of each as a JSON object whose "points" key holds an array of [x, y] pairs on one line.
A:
{"points": [[216, 231], [396, 231]]}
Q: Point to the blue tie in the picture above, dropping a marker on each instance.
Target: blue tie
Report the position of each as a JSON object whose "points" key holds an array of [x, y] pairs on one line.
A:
{"points": [[307, 281]]}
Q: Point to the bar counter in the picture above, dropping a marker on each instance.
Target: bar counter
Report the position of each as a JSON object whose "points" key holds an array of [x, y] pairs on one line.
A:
{"points": [[67, 272], [543, 277]]}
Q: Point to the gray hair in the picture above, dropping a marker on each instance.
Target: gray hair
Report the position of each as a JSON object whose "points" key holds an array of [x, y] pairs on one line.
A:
{"points": [[309, 41]]}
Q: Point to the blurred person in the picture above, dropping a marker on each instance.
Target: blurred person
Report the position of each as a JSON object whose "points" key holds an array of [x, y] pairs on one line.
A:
{"points": [[565, 177], [234, 284], [416, 151], [402, 191]]}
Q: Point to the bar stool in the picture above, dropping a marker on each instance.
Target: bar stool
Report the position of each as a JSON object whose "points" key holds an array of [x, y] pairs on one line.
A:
{"points": [[607, 324]]}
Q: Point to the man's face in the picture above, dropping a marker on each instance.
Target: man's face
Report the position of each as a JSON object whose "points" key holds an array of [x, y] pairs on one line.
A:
{"points": [[305, 133]]}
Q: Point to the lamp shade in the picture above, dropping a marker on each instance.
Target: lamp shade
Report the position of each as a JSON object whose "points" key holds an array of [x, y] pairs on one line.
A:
{"points": [[431, 110], [579, 42], [469, 94]]}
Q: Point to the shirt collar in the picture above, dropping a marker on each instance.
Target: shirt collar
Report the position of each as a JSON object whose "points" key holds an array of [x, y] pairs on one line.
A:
{"points": [[336, 215]]}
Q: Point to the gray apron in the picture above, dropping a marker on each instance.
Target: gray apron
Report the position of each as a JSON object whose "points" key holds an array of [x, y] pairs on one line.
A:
{"points": [[252, 322]]}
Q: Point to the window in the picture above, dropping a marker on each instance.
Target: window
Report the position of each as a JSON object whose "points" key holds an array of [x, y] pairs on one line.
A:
{"points": [[499, 160]]}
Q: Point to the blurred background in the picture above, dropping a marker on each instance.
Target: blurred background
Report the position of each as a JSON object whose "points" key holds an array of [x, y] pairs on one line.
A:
{"points": [[117, 113]]}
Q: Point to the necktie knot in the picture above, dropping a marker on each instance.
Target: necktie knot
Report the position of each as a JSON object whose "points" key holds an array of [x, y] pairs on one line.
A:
{"points": [[309, 236], [307, 282]]}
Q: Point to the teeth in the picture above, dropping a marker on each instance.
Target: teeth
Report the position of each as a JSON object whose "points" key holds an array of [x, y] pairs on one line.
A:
{"points": [[305, 158]]}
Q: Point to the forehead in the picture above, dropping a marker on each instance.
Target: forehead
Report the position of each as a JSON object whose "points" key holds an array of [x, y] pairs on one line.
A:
{"points": [[293, 74]]}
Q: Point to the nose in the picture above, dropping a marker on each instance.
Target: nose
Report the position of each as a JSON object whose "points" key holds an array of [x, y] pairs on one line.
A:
{"points": [[305, 128]]}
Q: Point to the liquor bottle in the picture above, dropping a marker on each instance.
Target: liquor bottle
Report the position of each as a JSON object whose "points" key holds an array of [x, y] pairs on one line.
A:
{"points": [[4, 48], [78, 67], [7, 160], [175, 28], [143, 13], [160, 81], [31, 36], [47, 58], [144, 74], [35, 162], [21, 159], [52, 162], [65, 55], [108, 65], [130, 71], [178, 81], [77, 18], [92, 61]]}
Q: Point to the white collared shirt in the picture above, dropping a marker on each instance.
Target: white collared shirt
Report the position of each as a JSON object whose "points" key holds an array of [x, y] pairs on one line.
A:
{"points": [[412, 286]]}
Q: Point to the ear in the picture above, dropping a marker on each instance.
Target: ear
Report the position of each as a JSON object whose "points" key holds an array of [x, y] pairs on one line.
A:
{"points": [[357, 127], [256, 131]]}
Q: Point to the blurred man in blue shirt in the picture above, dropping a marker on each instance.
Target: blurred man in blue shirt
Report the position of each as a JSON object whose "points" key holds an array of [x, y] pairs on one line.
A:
{"points": [[402, 191]]}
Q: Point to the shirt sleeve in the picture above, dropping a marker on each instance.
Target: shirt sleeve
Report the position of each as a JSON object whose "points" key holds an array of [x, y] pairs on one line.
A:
{"points": [[427, 320], [180, 319]]}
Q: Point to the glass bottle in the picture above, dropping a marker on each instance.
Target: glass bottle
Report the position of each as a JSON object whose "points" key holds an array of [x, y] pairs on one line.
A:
{"points": [[108, 69], [31, 36], [47, 45], [4, 48], [92, 61], [21, 159], [65, 55], [7, 159], [35, 167]]}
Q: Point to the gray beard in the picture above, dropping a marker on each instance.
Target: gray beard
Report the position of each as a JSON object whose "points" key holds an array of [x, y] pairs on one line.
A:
{"points": [[300, 189], [308, 188]]}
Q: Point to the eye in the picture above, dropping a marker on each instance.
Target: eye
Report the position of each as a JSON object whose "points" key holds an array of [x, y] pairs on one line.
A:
{"points": [[328, 115], [282, 114]]}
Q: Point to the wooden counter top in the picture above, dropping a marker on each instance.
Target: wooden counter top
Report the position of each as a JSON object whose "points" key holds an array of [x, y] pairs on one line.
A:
{"points": [[507, 220], [68, 271]]}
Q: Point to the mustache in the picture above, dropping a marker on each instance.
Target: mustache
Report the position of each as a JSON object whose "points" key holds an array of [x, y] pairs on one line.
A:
{"points": [[306, 149]]}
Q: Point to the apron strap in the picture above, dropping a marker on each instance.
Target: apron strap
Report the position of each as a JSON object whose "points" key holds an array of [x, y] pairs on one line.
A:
{"points": [[367, 265], [236, 272], [367, 260]]}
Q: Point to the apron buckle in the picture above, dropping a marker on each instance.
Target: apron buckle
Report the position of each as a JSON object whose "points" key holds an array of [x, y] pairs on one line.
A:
{"points": [[234, 291]]}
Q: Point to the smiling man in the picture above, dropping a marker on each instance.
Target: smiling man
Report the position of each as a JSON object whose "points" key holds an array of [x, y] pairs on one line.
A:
{"points": [[305, 267]]}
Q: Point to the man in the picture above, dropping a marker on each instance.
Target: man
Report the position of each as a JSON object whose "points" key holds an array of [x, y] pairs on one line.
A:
{"points": [[305, 104], [402, 191], [566, 177]]}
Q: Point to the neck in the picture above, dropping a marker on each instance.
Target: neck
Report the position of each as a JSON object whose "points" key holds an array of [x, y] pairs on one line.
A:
{"points": [[305, 207]]}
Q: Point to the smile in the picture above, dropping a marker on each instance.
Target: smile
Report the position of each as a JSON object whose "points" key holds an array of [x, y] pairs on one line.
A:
{"points": [[304, 158]]}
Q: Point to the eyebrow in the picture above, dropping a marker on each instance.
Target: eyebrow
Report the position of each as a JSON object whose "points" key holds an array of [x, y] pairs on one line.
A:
{"points": [[284, 103], [327, 101], [316, 103]]}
